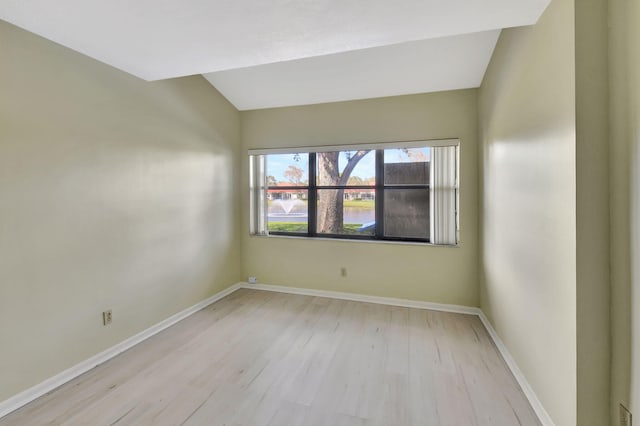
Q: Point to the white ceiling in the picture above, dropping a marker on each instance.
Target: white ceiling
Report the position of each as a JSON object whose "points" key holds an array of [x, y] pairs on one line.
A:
{"points": [[431, 65], [158, 39]]}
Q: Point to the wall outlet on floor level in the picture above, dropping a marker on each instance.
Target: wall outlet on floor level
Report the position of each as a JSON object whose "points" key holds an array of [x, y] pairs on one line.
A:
{"points": [[107, 317], [253, 280], [625, 416]]}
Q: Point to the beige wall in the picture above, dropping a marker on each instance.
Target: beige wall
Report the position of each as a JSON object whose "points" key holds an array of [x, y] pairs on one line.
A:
{"points": [[624, 45], [592, 213], [528, 218], [116, 193], [418, 272], [633, 19]]}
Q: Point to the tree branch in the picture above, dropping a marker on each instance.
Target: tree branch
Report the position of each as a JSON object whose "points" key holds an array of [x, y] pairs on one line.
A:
{"points": [[353, 161]]}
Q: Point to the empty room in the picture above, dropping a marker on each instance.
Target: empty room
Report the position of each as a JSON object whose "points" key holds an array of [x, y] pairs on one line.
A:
{"points": [[320, 212]]}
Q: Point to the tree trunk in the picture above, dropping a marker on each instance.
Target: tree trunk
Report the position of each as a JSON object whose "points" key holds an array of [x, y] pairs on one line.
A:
{"points": [[330, 205], [331, 201]]}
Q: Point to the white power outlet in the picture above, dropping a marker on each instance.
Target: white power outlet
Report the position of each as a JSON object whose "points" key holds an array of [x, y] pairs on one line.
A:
{"points": [[107, 317], [253, 280]]}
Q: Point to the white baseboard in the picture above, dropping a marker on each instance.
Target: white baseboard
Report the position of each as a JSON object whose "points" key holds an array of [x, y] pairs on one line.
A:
{"points": [[405, 303], [23, 398], [50, 384], [537, 406], [544, 417]]}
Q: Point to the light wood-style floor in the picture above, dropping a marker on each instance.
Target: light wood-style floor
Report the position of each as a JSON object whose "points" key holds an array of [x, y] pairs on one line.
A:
{"points": [[264, 358]]}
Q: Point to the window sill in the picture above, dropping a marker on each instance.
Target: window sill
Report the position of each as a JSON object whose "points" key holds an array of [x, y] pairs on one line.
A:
{"points": [[346, 240]]}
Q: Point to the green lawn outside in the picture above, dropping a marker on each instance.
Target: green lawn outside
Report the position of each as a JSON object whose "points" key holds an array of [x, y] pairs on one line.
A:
{"points": [[363, 204], [287, 227], [349, 228]]}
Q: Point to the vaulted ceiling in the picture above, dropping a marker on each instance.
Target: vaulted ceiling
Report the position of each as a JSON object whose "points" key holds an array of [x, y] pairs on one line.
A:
{"points": [[267, 53]]}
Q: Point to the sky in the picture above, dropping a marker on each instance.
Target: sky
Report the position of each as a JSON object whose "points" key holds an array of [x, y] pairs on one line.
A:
{"points": [[278, 163]]}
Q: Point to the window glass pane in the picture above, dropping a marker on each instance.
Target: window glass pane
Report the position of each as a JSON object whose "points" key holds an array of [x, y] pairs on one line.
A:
{"points": [[287, 210], [406, 213], [287, 169], [340, 168], [406, 166], [348, 211], [346, 187]]}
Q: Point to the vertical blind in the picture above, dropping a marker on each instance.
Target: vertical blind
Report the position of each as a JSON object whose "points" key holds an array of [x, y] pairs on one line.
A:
{"points": [[258, 194], [444, 197]]}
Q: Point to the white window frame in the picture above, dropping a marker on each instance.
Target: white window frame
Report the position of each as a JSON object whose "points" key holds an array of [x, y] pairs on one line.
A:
{"points": [[443, 187]]}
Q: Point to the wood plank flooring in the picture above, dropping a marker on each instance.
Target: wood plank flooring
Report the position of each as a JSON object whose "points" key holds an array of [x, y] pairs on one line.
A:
{"points": [[265, 358]]}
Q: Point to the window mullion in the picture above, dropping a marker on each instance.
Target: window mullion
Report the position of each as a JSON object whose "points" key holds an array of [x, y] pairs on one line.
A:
{"points": [[379, 232], [312, 197]]}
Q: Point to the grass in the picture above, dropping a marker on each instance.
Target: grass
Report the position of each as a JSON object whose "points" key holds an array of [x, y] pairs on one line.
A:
{"points": [[287, 227], [349, 228], [362, 204]]}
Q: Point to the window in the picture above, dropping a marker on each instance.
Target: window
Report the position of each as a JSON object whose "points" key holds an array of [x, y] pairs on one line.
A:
{"points": [[402, 192]]}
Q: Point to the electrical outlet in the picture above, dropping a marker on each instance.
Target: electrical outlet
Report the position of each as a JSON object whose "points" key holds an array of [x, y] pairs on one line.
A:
{"points": [[625, 416], [107, 317], [253, 280], [343, 271]]}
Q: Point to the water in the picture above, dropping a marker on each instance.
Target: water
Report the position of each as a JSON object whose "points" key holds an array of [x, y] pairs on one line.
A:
{"points": [[288, 205]]}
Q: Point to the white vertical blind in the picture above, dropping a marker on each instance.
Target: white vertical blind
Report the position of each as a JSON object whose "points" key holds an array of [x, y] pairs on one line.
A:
{"points": [[443, 195], [257, 193]]}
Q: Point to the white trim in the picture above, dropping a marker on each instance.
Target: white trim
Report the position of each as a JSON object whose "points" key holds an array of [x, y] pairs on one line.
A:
{"points": [[537, 406], [405, 303], [25, 397], [359, 241], [543, 416], [355, 147]]}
